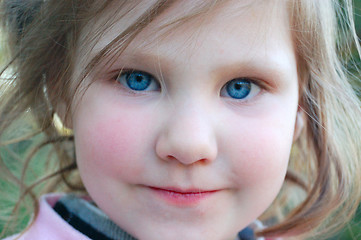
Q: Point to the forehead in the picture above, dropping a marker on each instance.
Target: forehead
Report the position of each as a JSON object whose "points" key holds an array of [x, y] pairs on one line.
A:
{"points": [[254, 28]]}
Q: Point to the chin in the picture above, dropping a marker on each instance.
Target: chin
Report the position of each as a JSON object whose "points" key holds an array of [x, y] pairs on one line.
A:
{"points": [[189, 233]]}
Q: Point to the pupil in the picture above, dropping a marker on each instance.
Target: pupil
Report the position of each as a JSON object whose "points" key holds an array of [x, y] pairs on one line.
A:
{"points": [[238, 86], [139, 78]]}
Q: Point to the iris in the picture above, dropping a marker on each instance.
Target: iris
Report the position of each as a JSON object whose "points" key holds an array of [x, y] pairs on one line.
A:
{"points": [[136, 80], [238, 88]]}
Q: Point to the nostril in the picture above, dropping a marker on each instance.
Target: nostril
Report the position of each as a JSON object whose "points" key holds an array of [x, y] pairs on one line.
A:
{"points": [[170, 157]]}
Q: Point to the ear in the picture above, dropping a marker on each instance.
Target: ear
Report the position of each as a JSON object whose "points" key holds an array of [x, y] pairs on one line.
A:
{"points": [[300, 122]]}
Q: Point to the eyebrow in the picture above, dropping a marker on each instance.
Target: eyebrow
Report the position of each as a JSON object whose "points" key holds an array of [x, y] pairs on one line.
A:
{"points": [[274, 62]]}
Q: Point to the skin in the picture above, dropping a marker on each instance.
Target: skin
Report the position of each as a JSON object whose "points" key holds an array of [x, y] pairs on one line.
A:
{"points": [[189, 134]]}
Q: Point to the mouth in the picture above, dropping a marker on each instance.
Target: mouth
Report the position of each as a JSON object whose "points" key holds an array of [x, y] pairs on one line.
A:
{"points": [[182, 197]]}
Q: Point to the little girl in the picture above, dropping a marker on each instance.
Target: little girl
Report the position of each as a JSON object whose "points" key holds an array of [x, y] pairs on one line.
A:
{"points": [[182, 116]]}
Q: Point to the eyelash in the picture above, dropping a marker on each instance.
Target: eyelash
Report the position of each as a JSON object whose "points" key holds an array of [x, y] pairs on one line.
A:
{"points": [[135, 81]]}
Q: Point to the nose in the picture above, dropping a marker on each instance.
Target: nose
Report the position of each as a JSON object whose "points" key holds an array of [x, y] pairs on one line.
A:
{"points": [[188, 136]]}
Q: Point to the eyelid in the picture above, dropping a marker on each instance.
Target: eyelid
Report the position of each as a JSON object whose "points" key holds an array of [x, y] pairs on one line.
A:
{"points": [[260, 83], [117, 73], [127, 70], [264, 85]]}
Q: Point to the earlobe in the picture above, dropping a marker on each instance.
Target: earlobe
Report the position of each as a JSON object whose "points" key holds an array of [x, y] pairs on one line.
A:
{"points": [[298, 124]]}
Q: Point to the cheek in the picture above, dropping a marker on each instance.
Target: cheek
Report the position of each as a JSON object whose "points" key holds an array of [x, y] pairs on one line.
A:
{"points": [[260, 151], [259, 156], [112, 143]]}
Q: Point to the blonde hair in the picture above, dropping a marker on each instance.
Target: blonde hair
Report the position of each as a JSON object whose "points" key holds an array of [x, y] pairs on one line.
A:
{"points": [[43, 37]]}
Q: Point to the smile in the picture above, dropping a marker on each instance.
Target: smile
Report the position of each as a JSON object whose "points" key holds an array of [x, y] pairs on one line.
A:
{"points": [[182, 197]]}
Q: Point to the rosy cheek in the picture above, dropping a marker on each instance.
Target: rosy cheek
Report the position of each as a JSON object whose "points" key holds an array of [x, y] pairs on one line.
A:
{"points": [[111, 144], [260, 153]]}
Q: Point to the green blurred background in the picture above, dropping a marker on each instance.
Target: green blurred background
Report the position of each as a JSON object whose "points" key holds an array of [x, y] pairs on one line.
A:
{"points": [[351, 231]]}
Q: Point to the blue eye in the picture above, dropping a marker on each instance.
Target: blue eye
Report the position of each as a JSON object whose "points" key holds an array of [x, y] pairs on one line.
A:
{"points": [[138, 81], [240, 88]]}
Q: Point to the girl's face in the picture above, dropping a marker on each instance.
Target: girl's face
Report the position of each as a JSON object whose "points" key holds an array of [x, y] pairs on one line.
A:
{"points": [[192, 139]]}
